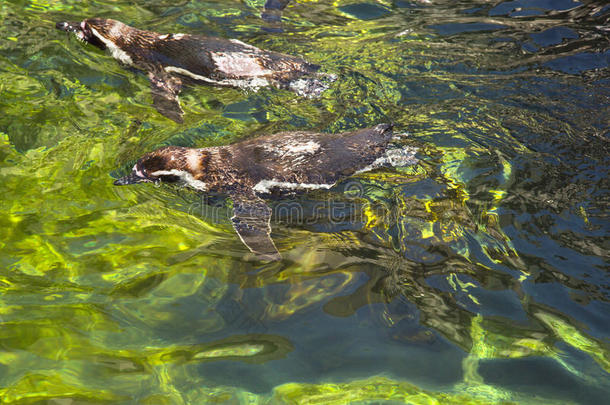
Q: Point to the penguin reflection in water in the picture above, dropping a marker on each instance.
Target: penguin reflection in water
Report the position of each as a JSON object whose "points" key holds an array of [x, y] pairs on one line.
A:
{"points": [[173, 59], [276, 165]]}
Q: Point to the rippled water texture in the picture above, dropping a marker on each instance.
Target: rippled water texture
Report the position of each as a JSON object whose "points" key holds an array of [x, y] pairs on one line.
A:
{"points": [[478, 275]]}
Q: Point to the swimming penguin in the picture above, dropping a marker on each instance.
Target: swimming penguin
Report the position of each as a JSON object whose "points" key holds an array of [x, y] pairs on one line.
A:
{"points": [[173, 59], [272, 165]]}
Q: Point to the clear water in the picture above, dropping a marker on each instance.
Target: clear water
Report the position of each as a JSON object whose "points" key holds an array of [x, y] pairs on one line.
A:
{"points": [[478, 275]]}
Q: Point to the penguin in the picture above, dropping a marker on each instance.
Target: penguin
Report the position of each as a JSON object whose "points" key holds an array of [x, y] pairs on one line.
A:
{"points": [[171, 60], [273, 166]]}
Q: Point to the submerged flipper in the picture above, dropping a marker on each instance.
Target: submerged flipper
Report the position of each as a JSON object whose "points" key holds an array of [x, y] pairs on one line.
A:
{"points": [[251, 217], [165, 90]]}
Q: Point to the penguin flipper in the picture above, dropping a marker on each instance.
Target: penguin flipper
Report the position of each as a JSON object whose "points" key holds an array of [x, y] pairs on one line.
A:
{"points": [[251, 220], [165, 90]]}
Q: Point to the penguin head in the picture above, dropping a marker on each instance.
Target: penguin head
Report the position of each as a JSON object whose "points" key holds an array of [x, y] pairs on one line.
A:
{"points": [[155, 167], [169, 164], [95, 31]]}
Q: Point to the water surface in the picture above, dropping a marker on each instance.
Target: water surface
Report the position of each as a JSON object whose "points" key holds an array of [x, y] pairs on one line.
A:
{"points": [[478, 275]]}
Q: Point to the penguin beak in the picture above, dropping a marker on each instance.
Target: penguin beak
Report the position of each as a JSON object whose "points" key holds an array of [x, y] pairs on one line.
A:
{"points": [[81, 31], [131, 178]]}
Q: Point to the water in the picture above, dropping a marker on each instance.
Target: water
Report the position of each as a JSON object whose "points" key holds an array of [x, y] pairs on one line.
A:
{"points": [[477, 275]]}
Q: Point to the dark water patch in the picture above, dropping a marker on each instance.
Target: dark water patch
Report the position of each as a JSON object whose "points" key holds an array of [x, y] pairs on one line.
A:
{"points": [[460, 28], [364, 11], [534, 375], [580, 62], [517, 8], [553, 36], [246, 111]]}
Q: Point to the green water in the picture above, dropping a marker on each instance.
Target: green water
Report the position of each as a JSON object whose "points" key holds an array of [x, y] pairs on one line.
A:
{"points": [[478, 275]]}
